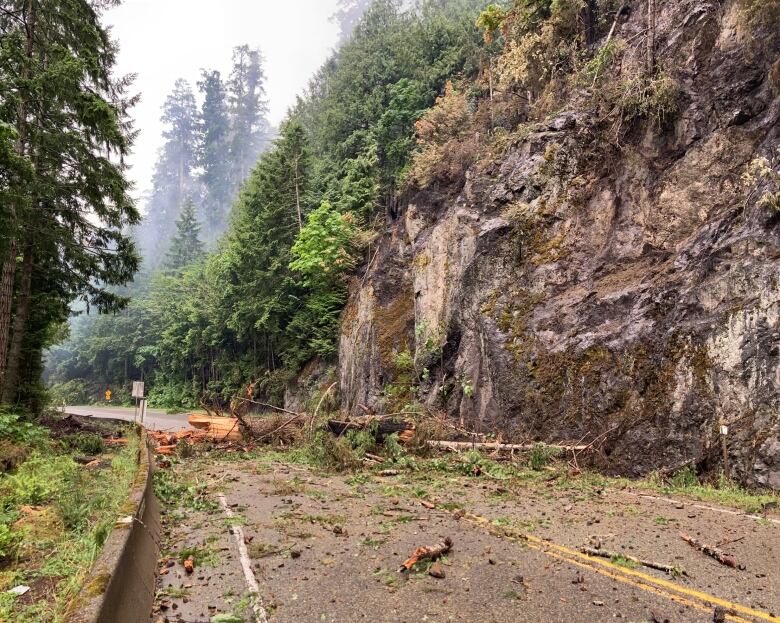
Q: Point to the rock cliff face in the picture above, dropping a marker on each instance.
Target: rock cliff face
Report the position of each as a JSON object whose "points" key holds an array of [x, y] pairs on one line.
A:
{"points": [[622, 288]]}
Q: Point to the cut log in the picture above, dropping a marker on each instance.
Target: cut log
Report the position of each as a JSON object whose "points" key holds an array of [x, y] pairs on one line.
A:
{"points": [[506, 447], [216, 428]]}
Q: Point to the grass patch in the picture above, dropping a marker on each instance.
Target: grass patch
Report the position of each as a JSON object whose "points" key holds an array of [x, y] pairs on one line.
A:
{"points": [[203, 555], [175, 490], [724, 492], [386, 577], [54, 518], [622, 561]]}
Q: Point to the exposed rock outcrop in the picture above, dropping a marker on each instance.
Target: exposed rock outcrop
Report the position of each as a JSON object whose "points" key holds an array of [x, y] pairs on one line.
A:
{"points": [[586, 286]]}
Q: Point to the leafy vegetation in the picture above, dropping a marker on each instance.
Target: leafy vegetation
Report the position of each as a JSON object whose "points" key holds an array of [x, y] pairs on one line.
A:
{"points": [[65, 206], [270, 298], [54, 517]]}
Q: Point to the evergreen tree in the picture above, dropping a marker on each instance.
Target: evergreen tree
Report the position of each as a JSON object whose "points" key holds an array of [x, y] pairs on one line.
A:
{"points": [[348, 16], [214, 154], [173, 179], [271, 297], [258, 247], [66, 116], [248, 110], [186, 246]]}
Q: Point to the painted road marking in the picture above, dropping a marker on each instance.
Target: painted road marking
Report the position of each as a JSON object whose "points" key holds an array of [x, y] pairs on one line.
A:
{"points": [[705, 507], [682, 594], [261, 616]]}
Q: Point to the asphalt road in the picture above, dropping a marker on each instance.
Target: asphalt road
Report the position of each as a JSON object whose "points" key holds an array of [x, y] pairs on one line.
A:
{"points": [[156, 419]]}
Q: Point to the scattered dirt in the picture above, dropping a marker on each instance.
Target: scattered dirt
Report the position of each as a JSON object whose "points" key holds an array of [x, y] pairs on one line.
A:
{"points": [[328, 548]]}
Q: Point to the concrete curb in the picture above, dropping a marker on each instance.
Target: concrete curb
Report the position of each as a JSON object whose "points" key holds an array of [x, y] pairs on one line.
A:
{"points": [[120, 586]]}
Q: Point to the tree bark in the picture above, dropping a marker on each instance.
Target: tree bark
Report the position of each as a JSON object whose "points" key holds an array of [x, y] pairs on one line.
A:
{"points": [[9, 264], [18, 330], [6, 298], [589, 17]]}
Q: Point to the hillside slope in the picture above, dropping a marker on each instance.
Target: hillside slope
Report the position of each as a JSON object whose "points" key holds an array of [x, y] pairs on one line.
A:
{"points": [[600, 279]]}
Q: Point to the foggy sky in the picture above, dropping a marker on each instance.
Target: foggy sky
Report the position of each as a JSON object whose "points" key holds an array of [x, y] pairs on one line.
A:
{"points": [[162, 40]]}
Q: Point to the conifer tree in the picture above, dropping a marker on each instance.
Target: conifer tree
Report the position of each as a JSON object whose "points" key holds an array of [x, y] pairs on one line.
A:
{"points": [[186, 246], [66, 116], [173, 174], [248, 111], [214, 154]]}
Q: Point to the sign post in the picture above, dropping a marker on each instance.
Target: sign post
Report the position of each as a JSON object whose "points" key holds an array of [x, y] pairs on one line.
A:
{"points": [[138, 394]]}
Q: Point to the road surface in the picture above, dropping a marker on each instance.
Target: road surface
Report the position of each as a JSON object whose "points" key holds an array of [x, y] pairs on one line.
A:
{"points": [[305, 546], [156, 419]]}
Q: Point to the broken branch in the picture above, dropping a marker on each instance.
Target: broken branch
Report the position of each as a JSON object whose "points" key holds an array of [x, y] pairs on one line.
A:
{"points": [[427, 553], [603, 553], [711, 551]]}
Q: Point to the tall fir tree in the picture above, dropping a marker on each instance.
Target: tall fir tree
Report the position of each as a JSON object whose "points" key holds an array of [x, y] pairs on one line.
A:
{"points": [[173, 179], [257, 254], [66, 115], [348, 16], [214, 155], [186, 246], [248, 110]]}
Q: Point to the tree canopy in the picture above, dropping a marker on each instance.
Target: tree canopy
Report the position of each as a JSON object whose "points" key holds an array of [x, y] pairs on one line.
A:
{"points": [[270, 297]]}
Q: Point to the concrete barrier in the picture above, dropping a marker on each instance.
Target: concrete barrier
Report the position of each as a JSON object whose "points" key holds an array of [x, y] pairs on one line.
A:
{"points": [[120, 586]]}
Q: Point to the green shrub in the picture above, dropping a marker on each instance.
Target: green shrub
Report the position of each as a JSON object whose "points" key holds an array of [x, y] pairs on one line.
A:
{"points": [[39, 478], [332, 453], [541, 455], [685, 478], [656, 99], [9, 540], [13, 427], [87, 443], [73, 503], [73, 392]]}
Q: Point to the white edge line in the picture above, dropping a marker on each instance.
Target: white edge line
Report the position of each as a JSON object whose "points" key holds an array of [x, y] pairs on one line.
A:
{"points": [[714, 509], [246, 564]]}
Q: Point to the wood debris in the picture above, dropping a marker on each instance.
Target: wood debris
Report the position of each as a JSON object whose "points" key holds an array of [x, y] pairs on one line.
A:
{"points": [[496, 446], [381, 426], [672, 570], [427, 553], [712, 551], [217, 428]]}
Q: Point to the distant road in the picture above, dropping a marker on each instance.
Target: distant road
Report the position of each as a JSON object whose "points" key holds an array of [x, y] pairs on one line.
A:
{"points": [[156, 419]]}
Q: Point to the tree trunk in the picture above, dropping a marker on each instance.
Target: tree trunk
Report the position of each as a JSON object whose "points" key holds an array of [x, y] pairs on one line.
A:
{"points": [[20, 146], [17, 335], [589, 18], [6, 298]]}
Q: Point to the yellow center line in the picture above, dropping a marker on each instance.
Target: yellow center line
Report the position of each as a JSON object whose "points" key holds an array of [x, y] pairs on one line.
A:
{"points": [[632, 576]]}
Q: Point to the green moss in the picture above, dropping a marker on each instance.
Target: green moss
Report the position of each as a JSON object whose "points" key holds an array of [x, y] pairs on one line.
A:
{"points": [[97, 585], [392, 323]]}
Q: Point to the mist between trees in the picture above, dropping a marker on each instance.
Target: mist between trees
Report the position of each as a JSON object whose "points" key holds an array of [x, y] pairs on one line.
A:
{"points": [[250, 288]]}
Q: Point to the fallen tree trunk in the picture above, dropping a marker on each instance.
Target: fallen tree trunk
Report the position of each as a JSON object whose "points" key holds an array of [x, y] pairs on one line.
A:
{"points": [[602, 553], [508, 447], [384, 428]]}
